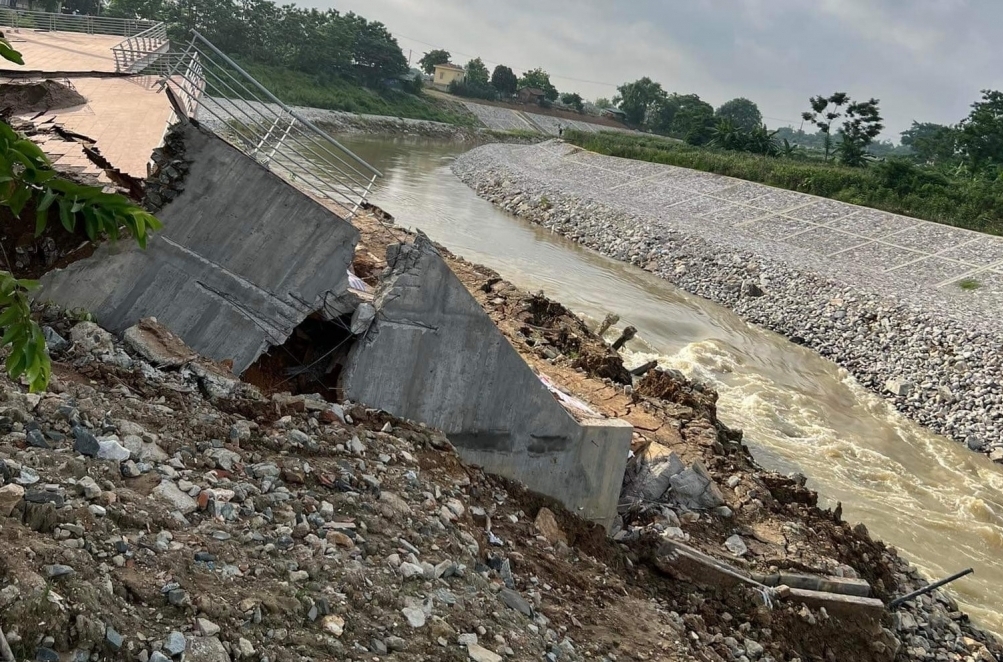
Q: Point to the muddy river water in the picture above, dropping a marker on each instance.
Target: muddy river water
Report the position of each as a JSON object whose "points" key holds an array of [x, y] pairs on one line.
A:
{"points": [[939, 503]]}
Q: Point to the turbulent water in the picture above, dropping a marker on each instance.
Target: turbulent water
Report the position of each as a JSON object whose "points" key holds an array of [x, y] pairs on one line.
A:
{"points": [[939, 503]]}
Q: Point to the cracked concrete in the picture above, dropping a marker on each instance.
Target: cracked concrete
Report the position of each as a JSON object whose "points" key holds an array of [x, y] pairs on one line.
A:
{"points": [[455, 371]]}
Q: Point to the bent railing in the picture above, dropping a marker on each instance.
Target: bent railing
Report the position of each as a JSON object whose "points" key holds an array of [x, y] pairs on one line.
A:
{"points": [[141, 49], [230, 102]]}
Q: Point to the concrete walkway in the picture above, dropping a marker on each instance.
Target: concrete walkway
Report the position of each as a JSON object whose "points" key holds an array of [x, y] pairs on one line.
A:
{"points": [[61, 51], [857, 243], [125, 116]]}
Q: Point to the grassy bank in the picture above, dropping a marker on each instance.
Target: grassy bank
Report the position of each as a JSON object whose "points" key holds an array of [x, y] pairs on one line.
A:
{"points": [[894, 185], [300, 89]]}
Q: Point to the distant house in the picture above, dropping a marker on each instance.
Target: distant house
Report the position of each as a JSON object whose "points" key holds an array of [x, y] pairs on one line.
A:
{"points": [[447, 73], [614, 114], [531, 95]]}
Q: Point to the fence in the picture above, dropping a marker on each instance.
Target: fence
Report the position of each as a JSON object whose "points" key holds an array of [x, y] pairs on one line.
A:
{"points": [[230, 102], [141, 49], [46, 21]]}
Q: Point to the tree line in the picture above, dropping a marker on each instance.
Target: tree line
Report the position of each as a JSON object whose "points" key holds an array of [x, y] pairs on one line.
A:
{"points": [[326, 44], [501, 83], [846, 131]]}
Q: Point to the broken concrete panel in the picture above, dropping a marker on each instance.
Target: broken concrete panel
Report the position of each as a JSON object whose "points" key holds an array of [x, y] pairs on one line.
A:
{"points": [[433, 355], [655, 476], [243, 258]]}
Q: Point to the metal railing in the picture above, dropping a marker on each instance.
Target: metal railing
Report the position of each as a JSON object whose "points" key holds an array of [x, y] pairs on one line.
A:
{"points": [[140, 50], [226, 99], [46, 21]]}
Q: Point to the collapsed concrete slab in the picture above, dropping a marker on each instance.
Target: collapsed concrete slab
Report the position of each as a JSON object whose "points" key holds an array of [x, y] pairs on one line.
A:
{"points": [[242, 260], [432, 354]]}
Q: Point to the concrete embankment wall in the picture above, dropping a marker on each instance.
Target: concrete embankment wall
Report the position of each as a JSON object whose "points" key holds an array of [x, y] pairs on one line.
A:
{"points": [[432, 354], [243, 258]]}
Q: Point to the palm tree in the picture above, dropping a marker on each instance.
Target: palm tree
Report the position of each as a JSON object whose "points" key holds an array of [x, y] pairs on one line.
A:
{"points": [[789, 150], [725, 135], [763, 141]]}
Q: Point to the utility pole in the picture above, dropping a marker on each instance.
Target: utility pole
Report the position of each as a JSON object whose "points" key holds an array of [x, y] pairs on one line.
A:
{"points": [[409, 58]]}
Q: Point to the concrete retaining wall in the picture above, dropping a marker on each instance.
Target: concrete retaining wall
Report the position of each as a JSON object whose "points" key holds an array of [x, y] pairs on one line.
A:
{"points": [[433, 355], [243, 258]]}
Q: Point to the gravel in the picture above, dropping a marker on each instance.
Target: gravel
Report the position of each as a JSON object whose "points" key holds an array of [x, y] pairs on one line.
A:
{"points": [[935, 358]]}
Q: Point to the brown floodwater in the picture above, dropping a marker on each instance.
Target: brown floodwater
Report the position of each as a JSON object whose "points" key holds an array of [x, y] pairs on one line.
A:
{"points": [[938, 503]]}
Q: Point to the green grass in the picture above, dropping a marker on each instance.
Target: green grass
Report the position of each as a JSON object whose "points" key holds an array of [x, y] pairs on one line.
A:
{"points": [[300, 89], [969, 284], [895, 185]]}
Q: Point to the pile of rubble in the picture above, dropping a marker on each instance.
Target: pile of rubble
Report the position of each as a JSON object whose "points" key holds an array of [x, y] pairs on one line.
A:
{"points": [[154, 507]]}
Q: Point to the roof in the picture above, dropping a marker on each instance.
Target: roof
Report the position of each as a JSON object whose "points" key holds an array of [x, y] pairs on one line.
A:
{"points": [[615, 111], [532, 90], [450, 65]]}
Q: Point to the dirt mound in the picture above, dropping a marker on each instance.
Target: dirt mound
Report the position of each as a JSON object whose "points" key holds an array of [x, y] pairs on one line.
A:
{"points": [[38, 97]]}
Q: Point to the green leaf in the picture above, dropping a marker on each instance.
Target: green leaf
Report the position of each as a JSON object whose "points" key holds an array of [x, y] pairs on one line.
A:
{"points": [[47, 199], [8, 53], [31, 150], [67, 217], [19, 198], [10, 315]]}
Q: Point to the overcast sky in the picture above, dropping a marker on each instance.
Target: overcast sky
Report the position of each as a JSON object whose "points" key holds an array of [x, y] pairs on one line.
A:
{"points": [[924, 59]]}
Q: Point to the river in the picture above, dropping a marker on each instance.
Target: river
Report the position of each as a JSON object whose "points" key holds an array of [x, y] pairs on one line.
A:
{"points": [[938, 503]]}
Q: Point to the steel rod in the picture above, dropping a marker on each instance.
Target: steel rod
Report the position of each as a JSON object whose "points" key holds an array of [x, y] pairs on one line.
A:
{"points": [[926, 589]]}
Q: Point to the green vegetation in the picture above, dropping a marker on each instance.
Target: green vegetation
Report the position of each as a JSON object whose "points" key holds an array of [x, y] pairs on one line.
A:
{"points": [[539, 79], [969, 284], [28, 184], [861, 124], [302, 89], [895, 185], [323, 59], [742, 113], [430, 59], [504, 80]]}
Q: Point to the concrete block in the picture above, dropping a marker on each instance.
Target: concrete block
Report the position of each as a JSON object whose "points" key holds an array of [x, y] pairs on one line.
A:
{"points": [[243, 258], [433, 355], [838, 604]]}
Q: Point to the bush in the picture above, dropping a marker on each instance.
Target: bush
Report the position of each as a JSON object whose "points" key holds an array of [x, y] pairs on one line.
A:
{"points": [[894, 185], [473, 90], [300, 89]]}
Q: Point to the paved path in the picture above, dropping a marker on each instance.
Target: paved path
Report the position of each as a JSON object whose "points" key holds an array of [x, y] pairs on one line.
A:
{"points": [[62, 51], [508, 119], [125, 116], [860, 245]]}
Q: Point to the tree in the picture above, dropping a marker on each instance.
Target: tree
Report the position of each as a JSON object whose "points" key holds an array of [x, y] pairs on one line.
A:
{"points": [[981, 133], [30, 183], [430, 59], [744, 114], [726, 135], [861, 125], [477, 73], [638, 98], [574, 100], [825, 111], [376, 55], [602, 102], [931, 143], [539, 79], [684, 116], [504, 80], [763, 141]]}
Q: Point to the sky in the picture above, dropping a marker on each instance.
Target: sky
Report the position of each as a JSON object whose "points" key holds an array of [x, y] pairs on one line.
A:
{"points": [[925, 60]]}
